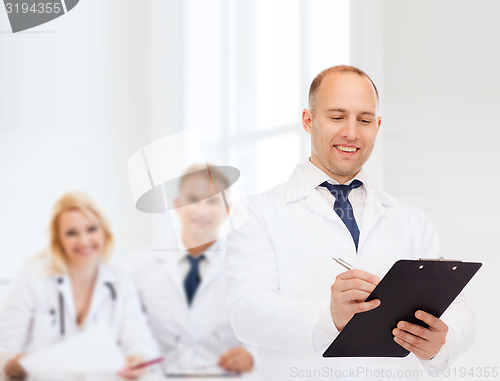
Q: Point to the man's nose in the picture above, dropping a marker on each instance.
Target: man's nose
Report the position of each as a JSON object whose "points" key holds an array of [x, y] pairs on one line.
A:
{"points": [[351, 131]]}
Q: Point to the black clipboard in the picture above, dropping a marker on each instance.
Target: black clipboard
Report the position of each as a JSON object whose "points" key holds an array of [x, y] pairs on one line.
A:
{"points": [[410, 285]]}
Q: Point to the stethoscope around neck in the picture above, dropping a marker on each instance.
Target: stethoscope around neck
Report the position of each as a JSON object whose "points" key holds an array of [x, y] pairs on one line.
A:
{"points": [[62, 327]]}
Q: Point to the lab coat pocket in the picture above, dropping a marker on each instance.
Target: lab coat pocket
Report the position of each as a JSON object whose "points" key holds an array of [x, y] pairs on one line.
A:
{"points": [[45, 329], [398, 249]]}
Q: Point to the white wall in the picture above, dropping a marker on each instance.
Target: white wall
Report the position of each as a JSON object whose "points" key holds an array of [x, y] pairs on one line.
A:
{"points": [[441, 135], [81, 94], [74, 105], [367, 43]]}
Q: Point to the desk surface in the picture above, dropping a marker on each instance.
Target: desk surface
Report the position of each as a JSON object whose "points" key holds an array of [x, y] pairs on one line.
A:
{"points": [[148, 377]]}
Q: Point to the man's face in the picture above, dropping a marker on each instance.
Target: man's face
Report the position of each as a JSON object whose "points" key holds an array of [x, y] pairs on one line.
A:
{"points": [[343, 125], [200, 208]]}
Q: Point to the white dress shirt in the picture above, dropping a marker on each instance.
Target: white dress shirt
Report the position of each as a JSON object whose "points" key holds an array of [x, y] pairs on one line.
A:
{"points": [[357, 196]]}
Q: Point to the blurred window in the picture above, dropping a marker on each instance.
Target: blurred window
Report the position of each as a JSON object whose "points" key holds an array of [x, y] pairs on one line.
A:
{"points": [[268, 52]]}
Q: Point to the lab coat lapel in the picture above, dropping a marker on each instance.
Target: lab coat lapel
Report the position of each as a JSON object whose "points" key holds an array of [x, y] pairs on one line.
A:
{"points": [[297, 187], [172, 287], [102, 292], [375, 207], [317, 203], [208, 294], [171, 269], [214, 270], [64, 289]]}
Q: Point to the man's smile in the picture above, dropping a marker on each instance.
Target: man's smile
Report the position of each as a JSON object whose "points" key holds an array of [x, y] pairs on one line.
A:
{"points": [[344, 148]]}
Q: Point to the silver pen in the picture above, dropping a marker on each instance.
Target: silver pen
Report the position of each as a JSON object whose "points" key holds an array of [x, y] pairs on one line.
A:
{"points": [[343, 263]]}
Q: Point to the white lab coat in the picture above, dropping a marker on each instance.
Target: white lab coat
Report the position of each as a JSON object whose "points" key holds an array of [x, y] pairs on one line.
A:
{"points": [[30, 317], [191, 338], [279, 271]]}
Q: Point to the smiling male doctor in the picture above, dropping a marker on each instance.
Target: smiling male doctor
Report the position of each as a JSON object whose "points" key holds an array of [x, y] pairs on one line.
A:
{"points": [[284, 291]]}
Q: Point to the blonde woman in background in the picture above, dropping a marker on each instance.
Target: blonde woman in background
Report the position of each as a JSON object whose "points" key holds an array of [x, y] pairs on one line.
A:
{"points": [[69, 288]]}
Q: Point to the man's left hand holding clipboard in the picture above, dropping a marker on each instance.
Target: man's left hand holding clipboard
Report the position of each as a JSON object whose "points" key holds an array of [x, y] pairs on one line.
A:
{"points": [[348, 295]]}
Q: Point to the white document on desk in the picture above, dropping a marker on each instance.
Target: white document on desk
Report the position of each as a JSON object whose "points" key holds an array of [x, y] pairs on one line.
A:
{"points": [[93, 351], [207, 371]]}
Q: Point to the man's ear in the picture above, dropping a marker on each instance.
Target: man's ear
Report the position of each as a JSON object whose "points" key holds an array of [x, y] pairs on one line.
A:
{"points": [[307, 118], [379, 122]]}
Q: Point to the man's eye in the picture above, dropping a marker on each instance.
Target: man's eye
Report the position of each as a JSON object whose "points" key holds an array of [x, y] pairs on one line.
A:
{"points": [[365, 121], [335, 118]]}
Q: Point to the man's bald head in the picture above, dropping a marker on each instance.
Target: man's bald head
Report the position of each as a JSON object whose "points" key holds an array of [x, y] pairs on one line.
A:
{"points": [[341, 69]]}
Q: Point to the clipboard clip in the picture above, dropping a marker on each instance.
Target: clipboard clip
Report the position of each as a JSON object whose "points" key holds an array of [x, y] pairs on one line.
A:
{"points": [[441, 259]]}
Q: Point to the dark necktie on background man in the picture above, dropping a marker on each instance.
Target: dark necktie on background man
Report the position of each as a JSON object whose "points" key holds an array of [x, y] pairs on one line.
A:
{"points": [[192, 280], [343, 206]]}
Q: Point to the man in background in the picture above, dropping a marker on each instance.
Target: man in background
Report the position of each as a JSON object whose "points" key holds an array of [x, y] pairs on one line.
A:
{"points": [[182, 290]]}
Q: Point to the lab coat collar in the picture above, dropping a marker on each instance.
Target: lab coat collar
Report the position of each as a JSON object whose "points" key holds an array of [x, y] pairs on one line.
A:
{"points": [[170, 260], [175, 255], [373, 212], [101, 291], [105, 274], [215, 257], [306, 177]]}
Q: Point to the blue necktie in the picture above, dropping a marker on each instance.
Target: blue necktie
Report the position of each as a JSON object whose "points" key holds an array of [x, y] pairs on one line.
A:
{"points": [[343, 206], [192, 280]]}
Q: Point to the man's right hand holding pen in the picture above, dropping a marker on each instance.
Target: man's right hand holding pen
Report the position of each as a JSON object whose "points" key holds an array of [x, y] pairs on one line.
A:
{"points": [[348, 295]]}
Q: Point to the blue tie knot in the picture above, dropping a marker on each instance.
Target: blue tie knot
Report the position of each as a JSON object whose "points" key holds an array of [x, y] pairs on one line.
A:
{"points": [[195, 261], [341, 191]]}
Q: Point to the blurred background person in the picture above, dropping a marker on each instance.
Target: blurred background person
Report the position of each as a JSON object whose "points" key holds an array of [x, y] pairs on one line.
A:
{"points": [[182, 290], [70, 287]]}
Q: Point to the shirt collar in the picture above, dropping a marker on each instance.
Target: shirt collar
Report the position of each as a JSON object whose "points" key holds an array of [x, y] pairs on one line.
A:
{"points": [[106, 273], [315, 176], [210, 254], [307, 177]]}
